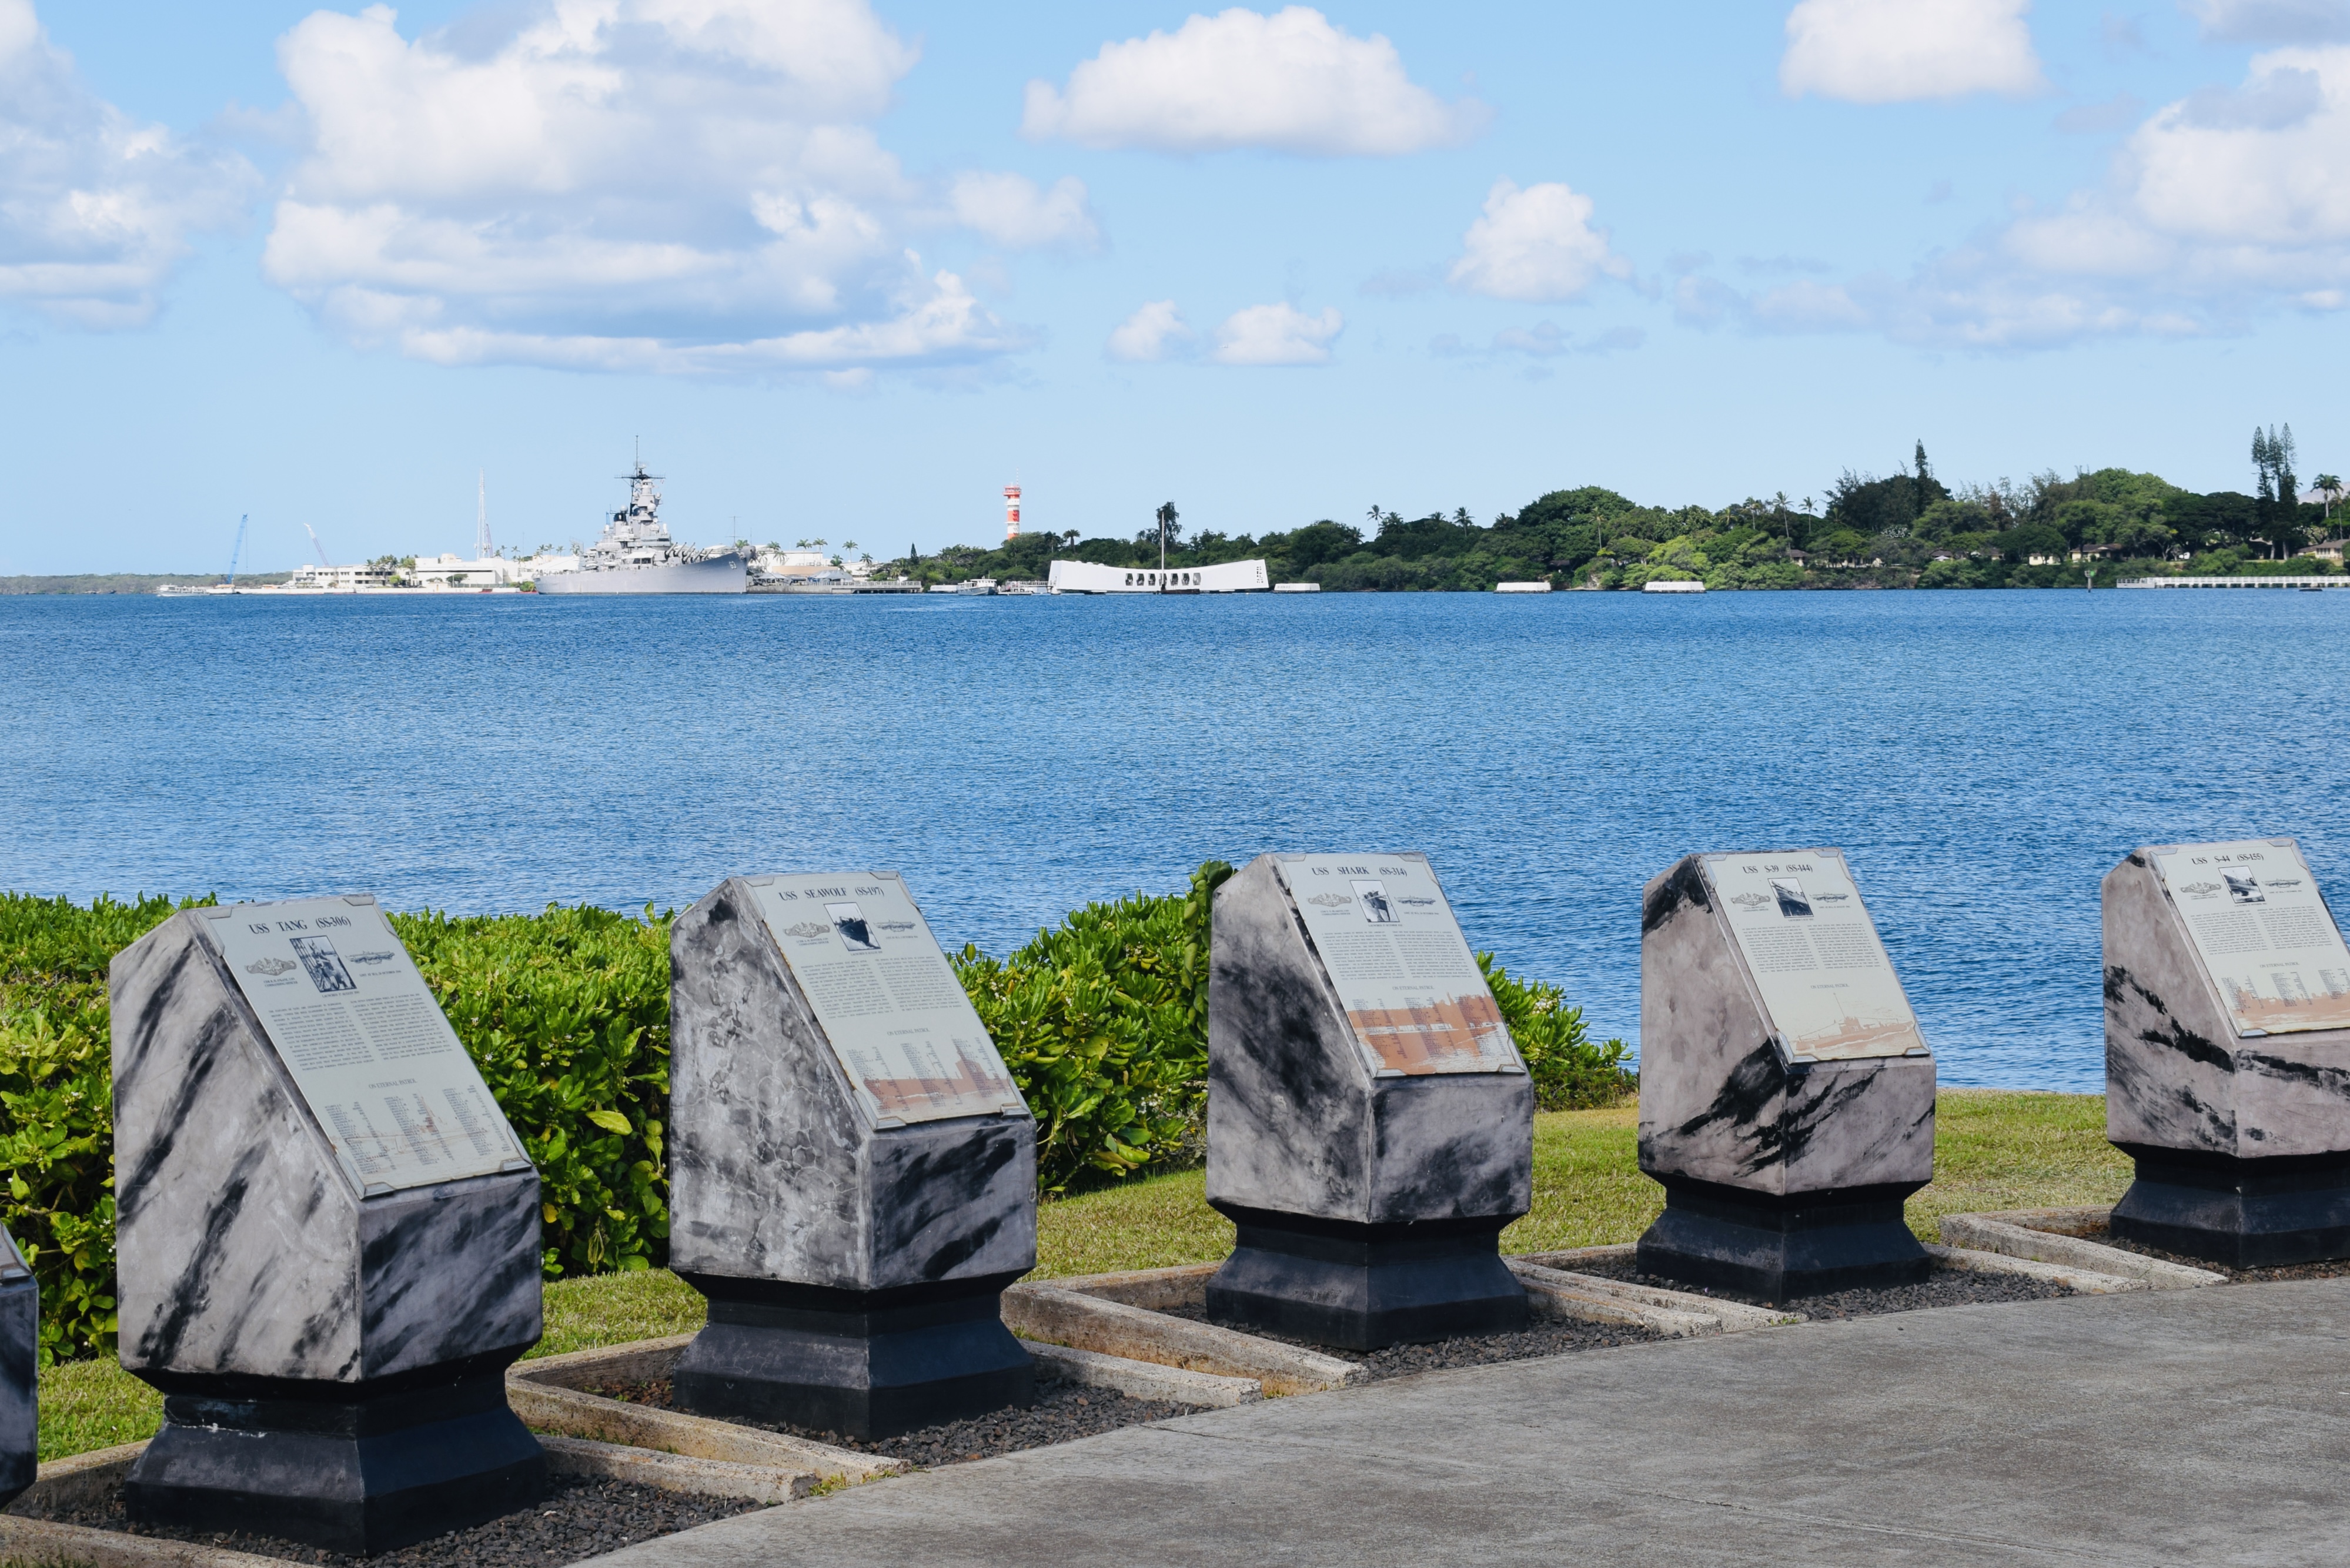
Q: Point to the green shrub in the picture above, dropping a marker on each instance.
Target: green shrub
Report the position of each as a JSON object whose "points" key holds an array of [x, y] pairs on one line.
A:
{"points": [[1103, 1021], [567, 1014], [56, 1104], [1570, 1073]]}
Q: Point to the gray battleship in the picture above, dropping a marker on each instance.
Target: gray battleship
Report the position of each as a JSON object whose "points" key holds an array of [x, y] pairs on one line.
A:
{"points": [[635, 555]]}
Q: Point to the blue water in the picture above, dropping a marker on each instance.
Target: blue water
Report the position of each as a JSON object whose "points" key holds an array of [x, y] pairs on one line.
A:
{"points": [[1983, 758]]}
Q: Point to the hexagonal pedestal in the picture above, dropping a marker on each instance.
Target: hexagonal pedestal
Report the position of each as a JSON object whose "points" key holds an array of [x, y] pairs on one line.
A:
{"points": [[1806, 1245], [1363, 1287], [864, 1364], [2245, 1213]]}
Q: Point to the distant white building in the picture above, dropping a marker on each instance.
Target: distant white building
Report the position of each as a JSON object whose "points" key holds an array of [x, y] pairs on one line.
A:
{"points": [[316, 580], [448, 571], [1229, 577]]}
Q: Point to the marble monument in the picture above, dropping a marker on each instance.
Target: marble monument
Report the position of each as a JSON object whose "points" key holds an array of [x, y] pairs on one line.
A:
{"points": [[2227, 1054], [1786, 1097], [1370, 1124], [853, 1172], [20, 1376], [326, 1234]]}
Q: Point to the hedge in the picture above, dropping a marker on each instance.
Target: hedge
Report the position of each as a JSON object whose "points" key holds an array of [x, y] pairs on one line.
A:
{"points": [[1101, 1019]]}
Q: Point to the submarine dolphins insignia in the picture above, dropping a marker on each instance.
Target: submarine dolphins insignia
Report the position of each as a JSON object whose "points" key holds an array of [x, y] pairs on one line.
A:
{"points": [[808, 929], [1331, 900], [269, 966], [1751, 900]]}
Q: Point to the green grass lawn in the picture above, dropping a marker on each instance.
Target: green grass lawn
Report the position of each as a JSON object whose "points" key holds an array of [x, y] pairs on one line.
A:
{"points": [[1991, 1150]]}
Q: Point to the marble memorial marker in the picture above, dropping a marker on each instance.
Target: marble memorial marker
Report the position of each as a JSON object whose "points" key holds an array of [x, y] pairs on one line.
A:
{"points": [[853, 1170], [2228, 1052], [326, 1234], [1370, 1124], [1786, 1096], [20, 1372]]}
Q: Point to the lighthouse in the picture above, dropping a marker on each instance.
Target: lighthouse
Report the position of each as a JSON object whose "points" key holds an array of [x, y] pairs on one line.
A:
{"points": [[1010, 512]]}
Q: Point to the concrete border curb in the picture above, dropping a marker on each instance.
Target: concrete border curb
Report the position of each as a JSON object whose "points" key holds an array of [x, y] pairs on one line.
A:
{"points": [[1083, 1321], [2001, 1234], [2088, 1281], [676, 1472], [44, 1541], [1677, 1315], [79, 1480], [570, 1413], [1143, 1380]]}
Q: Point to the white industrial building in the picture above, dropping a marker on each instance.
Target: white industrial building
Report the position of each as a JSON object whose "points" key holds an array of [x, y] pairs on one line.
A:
{"points": [[1229, 577]]}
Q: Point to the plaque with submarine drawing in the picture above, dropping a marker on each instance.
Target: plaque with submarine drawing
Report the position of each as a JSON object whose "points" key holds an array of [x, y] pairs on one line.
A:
{"points": [[1814, 954], [1413, 994], [2263, 932], [384, 1074], [887, 1001]]}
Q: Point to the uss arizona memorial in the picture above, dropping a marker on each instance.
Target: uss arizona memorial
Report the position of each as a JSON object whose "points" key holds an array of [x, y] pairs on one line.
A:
{"points": [[1228, 577]]}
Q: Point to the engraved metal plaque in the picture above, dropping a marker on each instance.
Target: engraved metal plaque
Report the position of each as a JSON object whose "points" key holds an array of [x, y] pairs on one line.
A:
{"points": [[1814, 954], [887, 1001], [1414, 997], [2263, 932], [357, 1027]]}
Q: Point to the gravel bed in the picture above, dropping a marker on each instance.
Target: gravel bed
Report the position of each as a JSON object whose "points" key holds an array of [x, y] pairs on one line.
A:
{"points": [[1944, 1287], [1062, 1412], [1548, 1339], [2324, 1269], [582, 1518]]}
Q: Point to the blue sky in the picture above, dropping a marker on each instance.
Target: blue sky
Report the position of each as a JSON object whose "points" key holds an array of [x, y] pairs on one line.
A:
{"points": [[847, 269]]}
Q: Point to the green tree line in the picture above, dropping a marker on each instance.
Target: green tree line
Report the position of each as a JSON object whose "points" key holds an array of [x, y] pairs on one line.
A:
{"points": [[1905, 529]]}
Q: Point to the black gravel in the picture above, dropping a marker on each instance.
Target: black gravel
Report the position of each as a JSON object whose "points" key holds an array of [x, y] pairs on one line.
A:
{"points": [[1944, 1287], [1062, 1412], [582, 1518], [2324, 1269], [1469, 1350]]}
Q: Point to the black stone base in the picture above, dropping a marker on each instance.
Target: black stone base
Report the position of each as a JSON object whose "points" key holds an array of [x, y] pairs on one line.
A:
{"points": [[357, 1467], [1363, 1287], [2244, 1213], [865, 1363], [1809, 1244]]}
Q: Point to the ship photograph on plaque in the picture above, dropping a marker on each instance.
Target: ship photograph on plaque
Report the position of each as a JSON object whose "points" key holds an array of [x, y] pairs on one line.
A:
{"points": [[1786, 1094], [326, 1234], [1370, 1122], [853, 1170], [2227, 989]]}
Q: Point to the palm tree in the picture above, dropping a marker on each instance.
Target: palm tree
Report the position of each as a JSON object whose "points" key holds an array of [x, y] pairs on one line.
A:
{"points": [[2329, 485]]}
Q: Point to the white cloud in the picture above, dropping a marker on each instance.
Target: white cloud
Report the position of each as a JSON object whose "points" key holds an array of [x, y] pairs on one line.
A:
{"points": [[684, 186], [1535, 243], [1290, 82], [1010, 210], [2272, 21], [1153, 332], [95, 208], [1895, 51], [2221, 205], [1276, 334]]}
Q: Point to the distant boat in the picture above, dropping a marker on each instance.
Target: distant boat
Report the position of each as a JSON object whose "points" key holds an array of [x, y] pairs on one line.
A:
{"points": [[1672, 588], [635, 555]]}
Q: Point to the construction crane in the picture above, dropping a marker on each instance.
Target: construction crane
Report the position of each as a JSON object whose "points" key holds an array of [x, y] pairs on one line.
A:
{"points": [[316, 546], [236, 549]]}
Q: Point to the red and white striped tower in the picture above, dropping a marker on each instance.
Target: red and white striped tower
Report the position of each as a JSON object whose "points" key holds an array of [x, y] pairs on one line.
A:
{"points": [[1011, 512]]}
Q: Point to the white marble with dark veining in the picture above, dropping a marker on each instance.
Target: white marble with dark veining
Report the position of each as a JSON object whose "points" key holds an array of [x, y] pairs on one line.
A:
{"points": [[776, 1171], [1718, 1101], [1297, 1124], [20, 1350], [2177, 1074], [241, 1247]]}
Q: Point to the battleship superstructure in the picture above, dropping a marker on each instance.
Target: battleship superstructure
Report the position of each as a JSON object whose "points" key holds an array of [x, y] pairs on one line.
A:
{"points": [[635, 555]]}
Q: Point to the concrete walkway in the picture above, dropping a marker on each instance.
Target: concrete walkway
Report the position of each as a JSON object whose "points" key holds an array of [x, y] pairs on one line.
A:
{"points": [[2176, 1426]]}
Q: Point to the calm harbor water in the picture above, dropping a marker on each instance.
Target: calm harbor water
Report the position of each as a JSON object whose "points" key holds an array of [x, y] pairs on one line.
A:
{"points": [[1983, 758]]}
